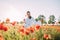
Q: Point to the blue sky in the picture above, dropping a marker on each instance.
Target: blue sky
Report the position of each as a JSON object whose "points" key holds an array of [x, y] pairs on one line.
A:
{"points": [[16, 9]]}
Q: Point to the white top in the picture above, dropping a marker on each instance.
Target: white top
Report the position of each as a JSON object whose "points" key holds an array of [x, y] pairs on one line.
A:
{"points": [[29, 22]]}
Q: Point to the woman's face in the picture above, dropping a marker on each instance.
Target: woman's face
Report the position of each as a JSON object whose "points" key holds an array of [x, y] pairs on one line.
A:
{"points": [[28, 15]]}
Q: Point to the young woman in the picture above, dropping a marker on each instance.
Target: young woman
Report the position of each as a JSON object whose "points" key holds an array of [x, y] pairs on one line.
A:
{"points": [[29, 21]]}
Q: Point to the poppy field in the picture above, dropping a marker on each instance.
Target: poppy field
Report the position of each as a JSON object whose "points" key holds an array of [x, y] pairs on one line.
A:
{"points": [[35, 32]]}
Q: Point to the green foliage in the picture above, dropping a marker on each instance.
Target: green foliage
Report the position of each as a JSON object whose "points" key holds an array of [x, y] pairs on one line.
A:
{"points": [[51, 19], [57, 36], [12, 34], [42, 19], [36, 19]]}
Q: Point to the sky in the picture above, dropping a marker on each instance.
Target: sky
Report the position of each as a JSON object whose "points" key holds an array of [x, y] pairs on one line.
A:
{"points": [[16, 9]]}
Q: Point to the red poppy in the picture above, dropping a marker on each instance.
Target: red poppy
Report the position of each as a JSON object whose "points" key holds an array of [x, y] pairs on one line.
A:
{"points": [[7, 19], [27, 32], [22, 30], [1, 38], [5, 28], [37, 27], [46, 36], [1, 26], [28, 29], [13, 23], [31, 29]]}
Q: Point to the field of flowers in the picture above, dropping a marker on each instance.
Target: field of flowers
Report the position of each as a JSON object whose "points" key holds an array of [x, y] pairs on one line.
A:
{"points": [[35, 32]]}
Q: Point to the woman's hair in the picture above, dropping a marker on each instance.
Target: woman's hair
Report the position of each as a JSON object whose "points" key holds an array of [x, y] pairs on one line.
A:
{"points": [[28, 11], [30, 17]]}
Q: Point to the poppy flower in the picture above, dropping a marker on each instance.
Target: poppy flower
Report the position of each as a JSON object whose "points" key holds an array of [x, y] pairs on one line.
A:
{"points": [[13, 23], [37, 27], [31, 29], [22, 34], [5, 28], [27, 32], [46, 36], [1, 26], [7, 19], [22, 30], [1, 38], [28, 29]]}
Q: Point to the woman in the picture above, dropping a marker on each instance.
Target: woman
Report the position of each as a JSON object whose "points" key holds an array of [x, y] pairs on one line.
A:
{"points": [[29, 21]]}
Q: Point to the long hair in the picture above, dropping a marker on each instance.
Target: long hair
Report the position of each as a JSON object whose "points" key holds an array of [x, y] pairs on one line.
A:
{"points": [[29, 17]]}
